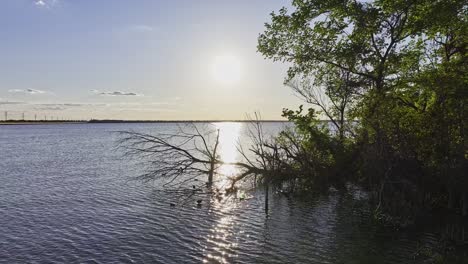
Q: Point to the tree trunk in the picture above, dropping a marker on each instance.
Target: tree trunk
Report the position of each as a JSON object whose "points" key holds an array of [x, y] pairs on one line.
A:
{"points": [[213, 161], [266, 197], [210, 174]]}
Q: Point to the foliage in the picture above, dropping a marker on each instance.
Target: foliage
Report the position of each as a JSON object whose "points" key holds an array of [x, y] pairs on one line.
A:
{"points": [[309, 146], [400, 69]]}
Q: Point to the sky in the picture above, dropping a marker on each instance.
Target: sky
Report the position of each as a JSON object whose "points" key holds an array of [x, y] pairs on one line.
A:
{"points": [[138, 59]]}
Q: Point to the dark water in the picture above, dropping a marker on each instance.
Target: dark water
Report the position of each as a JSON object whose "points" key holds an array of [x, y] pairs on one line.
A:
{"points": [[65, 197]]}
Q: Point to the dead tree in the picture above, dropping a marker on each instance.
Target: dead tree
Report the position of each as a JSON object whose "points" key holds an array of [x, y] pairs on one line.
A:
{"points": [[213, 159], [177, 158], [267, 156], [183, 156]]}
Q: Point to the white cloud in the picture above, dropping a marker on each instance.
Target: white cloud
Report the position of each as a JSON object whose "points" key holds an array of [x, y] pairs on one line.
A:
{"points": [[28, 91], [115, 93], [50, 108], [63, 105], [147, 109], [140, 28], [45, 3], [40, 3], [10, 102]]}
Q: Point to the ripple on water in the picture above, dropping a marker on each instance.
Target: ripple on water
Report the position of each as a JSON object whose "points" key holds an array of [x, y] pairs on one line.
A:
{"points": [[65, 198]]}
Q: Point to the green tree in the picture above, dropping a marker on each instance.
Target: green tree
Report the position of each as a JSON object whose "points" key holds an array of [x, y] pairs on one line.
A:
{"points": [[405, 66]]}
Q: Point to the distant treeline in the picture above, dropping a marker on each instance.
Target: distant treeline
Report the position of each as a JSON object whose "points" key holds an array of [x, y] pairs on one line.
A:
{"points": [[12, 121], [174, 121], [98, 121]]}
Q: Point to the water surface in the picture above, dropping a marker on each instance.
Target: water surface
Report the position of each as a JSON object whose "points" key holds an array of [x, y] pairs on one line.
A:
{"points": [[65, 197]]}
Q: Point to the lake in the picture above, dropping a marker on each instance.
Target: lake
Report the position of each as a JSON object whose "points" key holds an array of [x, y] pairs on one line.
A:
{"points": [[66, 196]]}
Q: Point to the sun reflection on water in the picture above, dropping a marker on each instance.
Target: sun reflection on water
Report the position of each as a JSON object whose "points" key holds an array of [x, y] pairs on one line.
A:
{"points": [[229, 134], [221, 242]]}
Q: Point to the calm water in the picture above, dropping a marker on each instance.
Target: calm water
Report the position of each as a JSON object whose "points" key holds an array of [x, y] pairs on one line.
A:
{"points": [[65, 197]]}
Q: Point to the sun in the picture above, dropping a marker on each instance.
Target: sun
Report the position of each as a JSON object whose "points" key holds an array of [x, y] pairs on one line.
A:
{"points": [[226, 69]]}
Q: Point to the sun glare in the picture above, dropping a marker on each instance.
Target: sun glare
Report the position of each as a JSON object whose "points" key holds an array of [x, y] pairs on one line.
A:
{"points": [[226, 69], [229, 134]]}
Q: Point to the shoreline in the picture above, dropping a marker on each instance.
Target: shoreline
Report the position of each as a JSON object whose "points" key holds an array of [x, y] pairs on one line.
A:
{"points": [[29, 122], [3, 123]]}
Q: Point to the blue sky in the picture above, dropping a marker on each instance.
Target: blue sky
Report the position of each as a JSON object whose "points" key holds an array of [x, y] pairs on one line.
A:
{"points": [[138, 59]]}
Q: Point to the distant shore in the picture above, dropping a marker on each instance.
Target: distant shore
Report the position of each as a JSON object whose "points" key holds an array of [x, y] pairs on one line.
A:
{"points": [[28, 122], [108, 121]]}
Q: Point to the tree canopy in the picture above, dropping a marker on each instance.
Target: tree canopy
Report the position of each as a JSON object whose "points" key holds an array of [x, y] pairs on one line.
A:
{"points": [[396, 71]]}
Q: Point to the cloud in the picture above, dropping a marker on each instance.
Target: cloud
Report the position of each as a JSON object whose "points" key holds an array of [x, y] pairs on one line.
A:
{"points": [[115, 93], [69, 104], [53, 106], [140, 28], [28, 91], [66, 104], [10, 103], [40, 3], [50, 108], [45, 3], [147, 109]]}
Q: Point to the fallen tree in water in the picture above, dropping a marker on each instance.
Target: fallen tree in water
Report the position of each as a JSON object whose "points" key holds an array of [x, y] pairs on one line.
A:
{"points": [[180, 158]]}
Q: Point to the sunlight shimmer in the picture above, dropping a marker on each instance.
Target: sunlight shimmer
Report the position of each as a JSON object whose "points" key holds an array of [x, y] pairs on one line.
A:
{"points": [[229, 133]]}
